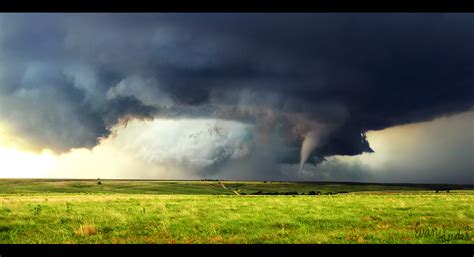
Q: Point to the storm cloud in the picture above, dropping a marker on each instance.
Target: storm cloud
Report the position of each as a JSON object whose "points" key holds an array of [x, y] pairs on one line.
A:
{"points": [[67, 79]]}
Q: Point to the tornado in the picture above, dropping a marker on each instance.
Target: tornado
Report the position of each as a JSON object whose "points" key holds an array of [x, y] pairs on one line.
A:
{"points": [[310, 142]]}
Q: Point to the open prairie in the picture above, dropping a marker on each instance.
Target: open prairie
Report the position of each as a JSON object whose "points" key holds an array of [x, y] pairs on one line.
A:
{"points": [[120, 211]]}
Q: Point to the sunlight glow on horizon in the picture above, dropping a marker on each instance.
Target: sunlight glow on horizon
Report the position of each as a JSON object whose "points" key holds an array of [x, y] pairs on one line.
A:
{"points": [[20, 164]]}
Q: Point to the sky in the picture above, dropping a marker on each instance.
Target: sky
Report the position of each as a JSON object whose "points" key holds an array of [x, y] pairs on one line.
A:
{"points": [[324, 96]]}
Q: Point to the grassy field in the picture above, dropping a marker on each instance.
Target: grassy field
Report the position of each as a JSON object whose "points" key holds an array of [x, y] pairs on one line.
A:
{"points": [[81, 211]]}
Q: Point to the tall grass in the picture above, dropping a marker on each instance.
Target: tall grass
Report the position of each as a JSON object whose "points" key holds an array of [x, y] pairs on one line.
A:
{"points": [[147, 218]]}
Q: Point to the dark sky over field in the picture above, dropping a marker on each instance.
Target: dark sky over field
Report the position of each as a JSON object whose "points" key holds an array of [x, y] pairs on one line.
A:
{"points": [[259, 86]]}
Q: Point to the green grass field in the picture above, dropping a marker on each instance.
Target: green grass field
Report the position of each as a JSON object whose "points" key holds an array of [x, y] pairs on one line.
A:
{"points": [[81, 211]]}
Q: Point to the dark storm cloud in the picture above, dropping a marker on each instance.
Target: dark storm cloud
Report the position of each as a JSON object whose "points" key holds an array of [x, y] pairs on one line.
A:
{"points": [[67, 79]]}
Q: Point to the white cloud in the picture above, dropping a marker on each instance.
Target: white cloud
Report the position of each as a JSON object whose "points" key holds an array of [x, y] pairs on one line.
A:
{"points": [[193, 143]]}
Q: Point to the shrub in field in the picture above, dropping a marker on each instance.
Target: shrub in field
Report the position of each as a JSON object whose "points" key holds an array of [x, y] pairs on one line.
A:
{"points": [[38, 209], [86, 230]]}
